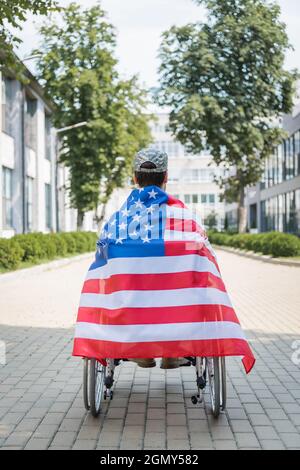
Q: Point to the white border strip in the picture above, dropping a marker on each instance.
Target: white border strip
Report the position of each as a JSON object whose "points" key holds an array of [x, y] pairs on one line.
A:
{"points": [[159, 332], [156, 298], [154, 265]]}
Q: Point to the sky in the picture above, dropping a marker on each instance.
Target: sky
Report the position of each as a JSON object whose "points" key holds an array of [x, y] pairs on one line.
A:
{"points": [[140, 23]]}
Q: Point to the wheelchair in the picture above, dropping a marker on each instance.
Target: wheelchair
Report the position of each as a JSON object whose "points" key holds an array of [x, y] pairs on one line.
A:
{"points": [[98, 382]]}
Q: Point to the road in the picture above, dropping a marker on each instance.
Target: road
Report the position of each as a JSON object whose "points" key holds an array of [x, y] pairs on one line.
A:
{"points": [[40, 385]]}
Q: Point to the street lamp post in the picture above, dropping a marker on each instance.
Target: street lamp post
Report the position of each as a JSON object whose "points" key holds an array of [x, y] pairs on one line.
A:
{"points": [[58, 131]]}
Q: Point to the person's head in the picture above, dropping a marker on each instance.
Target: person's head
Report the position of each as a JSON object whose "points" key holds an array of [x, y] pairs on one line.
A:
{"points": [[150, 168]]}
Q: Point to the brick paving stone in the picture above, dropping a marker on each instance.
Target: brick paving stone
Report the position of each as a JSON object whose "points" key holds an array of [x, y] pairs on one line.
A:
{"points": [[41, 390], [37, 444]]}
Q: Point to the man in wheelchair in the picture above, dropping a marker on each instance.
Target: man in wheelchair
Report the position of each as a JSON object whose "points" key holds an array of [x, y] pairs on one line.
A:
{"points": [[150, 169]]}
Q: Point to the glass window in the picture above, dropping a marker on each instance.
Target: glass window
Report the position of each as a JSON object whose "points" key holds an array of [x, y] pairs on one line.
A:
{"points": [[297, 201], [187, 198], [297, 153], [48, 206], [211, 198], [203, 198], [7, 213], [29, 203], [7, 105], [47, 137], [30, 122], [280, 162], [195, 198]]}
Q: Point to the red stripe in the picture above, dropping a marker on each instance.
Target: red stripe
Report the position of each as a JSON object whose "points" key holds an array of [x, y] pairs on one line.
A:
{"points": [[183, 225], [109, 349], [162, 281], [172, 201], [158, 315], [179, 248]]}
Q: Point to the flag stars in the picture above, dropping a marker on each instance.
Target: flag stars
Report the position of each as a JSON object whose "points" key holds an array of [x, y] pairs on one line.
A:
{"points": [[119, 240], [152, 194], [137, 218], [125, 212], [150, 210], [139, 204], [148, 227], [122, 226], [146, 239]]}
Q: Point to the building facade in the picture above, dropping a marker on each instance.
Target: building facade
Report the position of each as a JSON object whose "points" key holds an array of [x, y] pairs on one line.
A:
{"points": [[27, 159], [32, 186], [274, 203]]}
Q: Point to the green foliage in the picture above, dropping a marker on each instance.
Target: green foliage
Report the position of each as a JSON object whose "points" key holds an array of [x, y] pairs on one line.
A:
{"points": [[37, 247], [276, 244], [12, 14], [78, 70], [226, 85], [10, 254], [32, 248], [211, 220]]}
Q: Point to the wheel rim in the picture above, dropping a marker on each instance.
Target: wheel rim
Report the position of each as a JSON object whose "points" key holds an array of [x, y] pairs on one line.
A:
{"points": [[97, 376], [86, 383], [223, 384], [213, 373], [99, 384], [210, 374]]}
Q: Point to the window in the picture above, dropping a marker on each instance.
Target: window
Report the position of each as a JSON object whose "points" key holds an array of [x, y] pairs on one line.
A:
{"points": [[7, 105], [48, 206], [195, 198], [203, 198], [7, 214], [29, 203], [30, 122], [187, 198], [47, 137], [297, 153], [211, 198]]}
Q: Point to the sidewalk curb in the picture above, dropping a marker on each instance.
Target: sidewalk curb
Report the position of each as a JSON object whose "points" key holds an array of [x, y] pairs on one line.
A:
{"points": [[263, 258], [20, 273]]}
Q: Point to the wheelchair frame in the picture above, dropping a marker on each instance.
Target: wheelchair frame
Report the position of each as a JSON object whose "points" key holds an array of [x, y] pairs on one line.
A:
{"points": [[98, 381]]}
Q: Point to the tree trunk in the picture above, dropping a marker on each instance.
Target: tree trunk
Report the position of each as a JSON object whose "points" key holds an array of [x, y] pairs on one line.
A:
{"points": [[242, 212], [99, 218], [80, 216]]}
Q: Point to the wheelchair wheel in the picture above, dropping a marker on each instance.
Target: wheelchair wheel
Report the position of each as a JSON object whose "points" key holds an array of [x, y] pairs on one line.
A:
{"points": [[96, 383], [86, 383], [213, 377], [223, 383]]}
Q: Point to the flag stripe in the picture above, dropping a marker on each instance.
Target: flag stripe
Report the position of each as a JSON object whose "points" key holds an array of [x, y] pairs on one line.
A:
{"points": [[207, 348], [133, 316], [157, 298], [155, 265], [163, 332], [163, 281]]}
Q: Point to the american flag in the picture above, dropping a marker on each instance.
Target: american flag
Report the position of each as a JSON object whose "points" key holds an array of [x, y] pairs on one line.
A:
{"points": [[155, 288]]}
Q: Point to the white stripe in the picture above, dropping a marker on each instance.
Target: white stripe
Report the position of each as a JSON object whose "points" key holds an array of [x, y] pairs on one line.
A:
{"points": [[183, 213], [177, 235], [159, 332], [156, 298], [154, 265]]}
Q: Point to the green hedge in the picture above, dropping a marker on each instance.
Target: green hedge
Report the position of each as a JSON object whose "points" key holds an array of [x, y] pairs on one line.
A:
{"points": [[276, 244], [36, 247]]}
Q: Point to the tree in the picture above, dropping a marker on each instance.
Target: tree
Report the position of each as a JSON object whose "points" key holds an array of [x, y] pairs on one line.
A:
{"points": [[211, 220], [12, 14], [225, 83], [78, 70]]}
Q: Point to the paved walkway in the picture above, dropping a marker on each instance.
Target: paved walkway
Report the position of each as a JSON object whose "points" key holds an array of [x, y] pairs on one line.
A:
{"points": [[40, 387]]}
